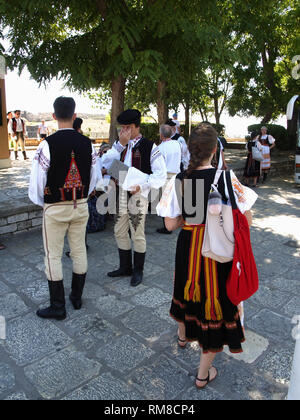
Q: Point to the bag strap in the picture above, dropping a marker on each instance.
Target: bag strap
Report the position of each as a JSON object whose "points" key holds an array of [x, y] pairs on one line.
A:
{"points": [[230, 190], [217, 177]]}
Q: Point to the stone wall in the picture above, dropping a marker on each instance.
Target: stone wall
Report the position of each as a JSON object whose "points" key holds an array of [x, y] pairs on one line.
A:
{"points": [[21, 222]]}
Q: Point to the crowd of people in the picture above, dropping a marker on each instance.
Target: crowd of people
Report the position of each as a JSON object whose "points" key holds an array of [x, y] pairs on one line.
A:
{"points": [[74, 185], [67, 173]]}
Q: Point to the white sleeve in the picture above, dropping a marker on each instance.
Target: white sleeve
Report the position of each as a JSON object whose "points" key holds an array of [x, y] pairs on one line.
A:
{"points": [[10, 130], [112, 154], [38, 177], [185, 154], [96, 175], [168, 205], [271, 139], [244, 196], [158, 177]]}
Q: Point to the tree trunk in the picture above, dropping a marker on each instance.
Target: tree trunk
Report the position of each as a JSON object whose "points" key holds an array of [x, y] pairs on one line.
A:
{"points": [[267, 118], [187, 119], [162, 107], [118, 99]]}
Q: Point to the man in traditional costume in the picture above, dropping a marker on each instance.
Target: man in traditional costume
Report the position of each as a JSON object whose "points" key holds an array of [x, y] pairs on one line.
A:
{"points": [[185, 154], [64, 173], [171, 151], [18, 132], [135, 151]]}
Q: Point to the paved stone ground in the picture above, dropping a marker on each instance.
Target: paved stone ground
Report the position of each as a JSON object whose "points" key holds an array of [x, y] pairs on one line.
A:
{"points": [[122, 344]]}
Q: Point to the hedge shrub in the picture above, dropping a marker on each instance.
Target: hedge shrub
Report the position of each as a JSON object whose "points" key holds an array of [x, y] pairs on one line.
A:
{"points": [[151, 131], [279, 133]]}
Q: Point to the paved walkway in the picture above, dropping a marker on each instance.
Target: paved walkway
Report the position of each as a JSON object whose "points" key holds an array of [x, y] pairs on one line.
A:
{"points": [[122, 344]]}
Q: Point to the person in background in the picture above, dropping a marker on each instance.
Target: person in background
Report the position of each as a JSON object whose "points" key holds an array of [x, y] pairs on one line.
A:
{"points": [[200, 302], [77, 125], [64, 173], [268, 143], [9, 116], [176, 122], [18, 132], [252, 168], [219, 157], [171, 151], [43, 131], [185, 154]]}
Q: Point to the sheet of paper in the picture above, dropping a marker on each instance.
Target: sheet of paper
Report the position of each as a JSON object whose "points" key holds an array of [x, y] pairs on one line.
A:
{"points": [[134, 177]]}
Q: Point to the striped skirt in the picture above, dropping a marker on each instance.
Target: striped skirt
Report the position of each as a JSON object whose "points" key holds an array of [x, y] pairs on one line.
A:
{"points": [[266, 163], [200, 300]]}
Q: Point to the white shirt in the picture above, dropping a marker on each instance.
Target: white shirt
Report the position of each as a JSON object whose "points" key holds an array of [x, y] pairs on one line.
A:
{"points": [[169, 206], [43, 129], [177, 126], [19, 126], [158, 166], [185, 154], [40, 168], [171, 151]]}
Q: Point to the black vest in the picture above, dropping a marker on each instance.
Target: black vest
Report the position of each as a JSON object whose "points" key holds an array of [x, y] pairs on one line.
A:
{"points": [[68, 178], [176, 136], [141, 156]]}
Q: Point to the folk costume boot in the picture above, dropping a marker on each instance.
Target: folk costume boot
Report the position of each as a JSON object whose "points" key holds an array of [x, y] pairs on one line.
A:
{"points": [[25, 156], [125, 269], [57, 309], [78, 283], [138, 270], [16, 156], [265, 176]]}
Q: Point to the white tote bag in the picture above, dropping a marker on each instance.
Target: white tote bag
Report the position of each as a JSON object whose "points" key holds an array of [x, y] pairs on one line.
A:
{"points": [[218, 242], [257, 154]]}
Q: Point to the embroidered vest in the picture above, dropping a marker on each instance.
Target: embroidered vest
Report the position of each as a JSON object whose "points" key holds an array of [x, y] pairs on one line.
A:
{"points": [[141, 156], [14, 125], [68, 178]]}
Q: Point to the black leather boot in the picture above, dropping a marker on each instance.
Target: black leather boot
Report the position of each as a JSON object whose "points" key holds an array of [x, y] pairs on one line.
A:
{"points": [[138, 270], [57, 309], [25, 156], [125, 269], [78, 282], [16, 156]]}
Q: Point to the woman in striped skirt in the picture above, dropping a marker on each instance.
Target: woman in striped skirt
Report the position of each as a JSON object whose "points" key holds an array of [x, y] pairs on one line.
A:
{"points": [[200, 303]]}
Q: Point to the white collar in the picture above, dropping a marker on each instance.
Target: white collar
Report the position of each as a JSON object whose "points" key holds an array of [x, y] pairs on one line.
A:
{"points": [[63, 129]]}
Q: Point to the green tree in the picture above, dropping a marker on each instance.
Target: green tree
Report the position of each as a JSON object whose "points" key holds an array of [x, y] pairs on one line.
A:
{"points": [[266, 35], [88, 44]]}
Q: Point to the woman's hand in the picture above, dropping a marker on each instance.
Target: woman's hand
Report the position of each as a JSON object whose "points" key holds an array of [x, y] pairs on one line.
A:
{"points": [[174, 224]]}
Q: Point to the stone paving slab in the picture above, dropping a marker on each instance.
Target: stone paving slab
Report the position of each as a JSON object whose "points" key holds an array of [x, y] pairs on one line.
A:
{"points": [[122, 344]]}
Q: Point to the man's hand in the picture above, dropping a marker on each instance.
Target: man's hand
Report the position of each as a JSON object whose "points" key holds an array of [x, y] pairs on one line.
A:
{"points": [[135, 190], [125, 136]]}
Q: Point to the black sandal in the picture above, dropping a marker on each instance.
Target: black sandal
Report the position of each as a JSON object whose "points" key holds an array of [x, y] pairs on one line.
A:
{"points": [[207, 380], [182, 343]]}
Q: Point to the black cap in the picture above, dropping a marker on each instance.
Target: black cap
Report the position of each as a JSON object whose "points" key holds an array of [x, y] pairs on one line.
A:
{"points": [[131, 116], [170, 123]]}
